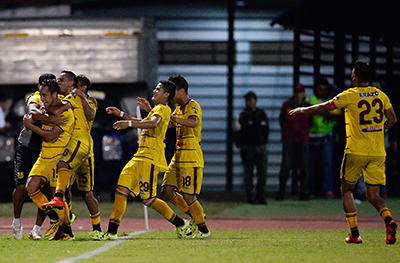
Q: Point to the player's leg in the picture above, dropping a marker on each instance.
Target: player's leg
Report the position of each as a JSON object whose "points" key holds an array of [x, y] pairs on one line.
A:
{"points": [[192, 182], [85, 184], [172, 180], [374, 178], [350, 173], [147, 190], [33, 186], [125, 181]]}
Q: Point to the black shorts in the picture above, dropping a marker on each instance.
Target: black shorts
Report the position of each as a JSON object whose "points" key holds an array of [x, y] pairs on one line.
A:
{"points": [[24, 159]]}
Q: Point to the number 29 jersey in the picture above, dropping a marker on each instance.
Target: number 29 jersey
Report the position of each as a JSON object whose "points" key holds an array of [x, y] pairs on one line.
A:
{"points": [[364, 117]]}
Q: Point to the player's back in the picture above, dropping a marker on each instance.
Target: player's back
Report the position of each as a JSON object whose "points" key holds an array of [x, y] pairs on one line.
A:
{"points": [[364, 115]]}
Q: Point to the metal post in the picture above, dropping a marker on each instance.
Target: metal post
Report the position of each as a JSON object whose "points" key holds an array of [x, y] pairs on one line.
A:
{"points": [[231, 62]]}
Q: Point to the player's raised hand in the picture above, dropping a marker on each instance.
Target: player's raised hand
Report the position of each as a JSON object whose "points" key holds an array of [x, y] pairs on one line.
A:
{"points": [[113, 110], [145, 103]]}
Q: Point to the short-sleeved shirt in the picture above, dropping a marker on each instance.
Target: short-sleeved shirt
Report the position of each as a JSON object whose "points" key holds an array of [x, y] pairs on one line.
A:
{"points": [[51, 150], [364, 119], [188, 152], [152, 141], [82, 125]]}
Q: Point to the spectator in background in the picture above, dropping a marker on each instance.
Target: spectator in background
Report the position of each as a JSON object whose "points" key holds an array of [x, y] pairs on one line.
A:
{"points": [[5, 105], [251, 137], [295, 136], [321, 143]]}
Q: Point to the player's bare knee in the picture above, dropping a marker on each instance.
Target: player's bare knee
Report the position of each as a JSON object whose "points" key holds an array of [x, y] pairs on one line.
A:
{"points": [[168, 192], [189, 198], [148, 202]]}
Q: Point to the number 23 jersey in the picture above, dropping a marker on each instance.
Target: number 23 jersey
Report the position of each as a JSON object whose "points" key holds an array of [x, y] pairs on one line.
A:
{"points": [[364, 117]]}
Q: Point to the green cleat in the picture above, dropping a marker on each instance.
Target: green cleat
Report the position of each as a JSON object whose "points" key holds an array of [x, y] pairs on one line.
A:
{"points": [[200, 235], [181, 232], [97, 235], [109, 236]]}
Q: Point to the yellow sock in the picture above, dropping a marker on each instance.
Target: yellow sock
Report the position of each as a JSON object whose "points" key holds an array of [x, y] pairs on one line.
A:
{"points": [[39, 198], [95, 219], [162, 207], [180, 203], [384, 212], [197, 212], [66, 220], [352, 220], [62, 182], [119, 207]]}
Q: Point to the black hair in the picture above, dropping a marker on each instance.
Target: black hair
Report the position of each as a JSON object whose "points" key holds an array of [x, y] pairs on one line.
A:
{"points": [[45, 76], [169, 87], [180, 82], [84, 80], [70, 75], [363, 71], [52, 85]]}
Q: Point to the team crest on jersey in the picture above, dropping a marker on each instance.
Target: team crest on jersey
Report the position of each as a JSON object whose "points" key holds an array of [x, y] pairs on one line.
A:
{"points": [[377, 128]]}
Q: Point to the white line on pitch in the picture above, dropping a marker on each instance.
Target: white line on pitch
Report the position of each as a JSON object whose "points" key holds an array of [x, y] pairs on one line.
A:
{"points": [[102, 249]]}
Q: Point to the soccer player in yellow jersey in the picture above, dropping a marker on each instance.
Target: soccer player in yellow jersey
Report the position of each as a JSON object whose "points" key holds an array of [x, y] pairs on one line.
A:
{"points": [[365, 109], [77, 150], [55, 141], [185, 172], [139, 176]]}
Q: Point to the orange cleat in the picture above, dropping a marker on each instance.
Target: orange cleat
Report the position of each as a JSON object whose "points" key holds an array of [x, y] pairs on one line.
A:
{"points": [[354, 240], [391, 235], [56, 202]]}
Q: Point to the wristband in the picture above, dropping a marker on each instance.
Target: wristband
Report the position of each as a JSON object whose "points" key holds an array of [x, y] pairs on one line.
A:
{"points": [[386, 126], [130, 123], [301, 110], [121, 114]]}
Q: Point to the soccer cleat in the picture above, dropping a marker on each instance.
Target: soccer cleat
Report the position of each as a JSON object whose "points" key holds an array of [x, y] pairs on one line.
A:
{"points": [[35, 235], [200, 235], [17, 231], [109, 236], [58, 235], [97, 235], [391, 235], [181, 232], [73, 217], [354, 240], [54, 225], [66, 237], [56, 202], [193, 227]]}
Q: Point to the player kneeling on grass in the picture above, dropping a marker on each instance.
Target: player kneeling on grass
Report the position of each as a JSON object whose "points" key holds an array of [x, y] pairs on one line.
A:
{"points": [[139, 176], [365, 153]]}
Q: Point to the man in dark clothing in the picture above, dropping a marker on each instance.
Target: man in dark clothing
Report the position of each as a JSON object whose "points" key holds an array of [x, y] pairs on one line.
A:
{"points": [[295, 136], [251, 138]]}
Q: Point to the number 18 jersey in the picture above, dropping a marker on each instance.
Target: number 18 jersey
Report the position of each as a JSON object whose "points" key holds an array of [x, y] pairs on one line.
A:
{"points": [[364, 117]]}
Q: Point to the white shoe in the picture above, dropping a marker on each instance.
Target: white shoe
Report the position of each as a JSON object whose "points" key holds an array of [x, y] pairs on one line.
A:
{"points": [[18, 231], [181, 232], [201, 235], [35, 235]]}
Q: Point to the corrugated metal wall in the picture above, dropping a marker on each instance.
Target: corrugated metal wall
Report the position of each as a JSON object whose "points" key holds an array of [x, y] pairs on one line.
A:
{"points": [[264, 65]]}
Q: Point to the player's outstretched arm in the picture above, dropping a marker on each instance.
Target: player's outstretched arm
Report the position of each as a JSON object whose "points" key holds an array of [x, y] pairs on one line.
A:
{"points": [[117, 112], [314, 109]]}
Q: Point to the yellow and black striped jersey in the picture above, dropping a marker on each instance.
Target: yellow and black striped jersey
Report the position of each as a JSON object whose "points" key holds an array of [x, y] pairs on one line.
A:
{"points": [[82, 125], [188, 152], [152, 141], [51, 150], [364, 117]]}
